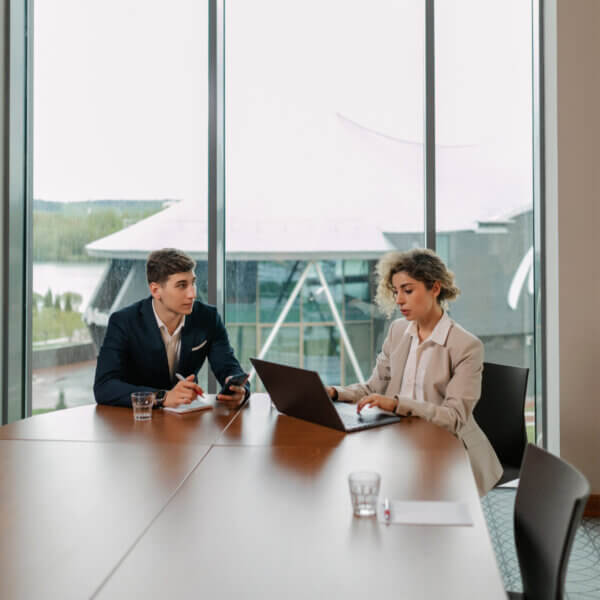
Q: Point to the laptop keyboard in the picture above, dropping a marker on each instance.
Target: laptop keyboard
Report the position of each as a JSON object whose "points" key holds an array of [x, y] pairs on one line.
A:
{"points": [[351, 419]]}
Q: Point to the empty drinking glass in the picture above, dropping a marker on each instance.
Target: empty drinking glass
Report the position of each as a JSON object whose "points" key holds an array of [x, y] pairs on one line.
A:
{"points": [[364, 491]]}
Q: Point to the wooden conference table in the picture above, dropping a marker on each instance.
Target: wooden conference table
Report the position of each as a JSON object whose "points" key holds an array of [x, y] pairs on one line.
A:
{"points": [[229, 504]]}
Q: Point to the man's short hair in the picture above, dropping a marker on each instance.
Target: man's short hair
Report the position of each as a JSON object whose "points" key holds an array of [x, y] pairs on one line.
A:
{"points": [[161, 264]]}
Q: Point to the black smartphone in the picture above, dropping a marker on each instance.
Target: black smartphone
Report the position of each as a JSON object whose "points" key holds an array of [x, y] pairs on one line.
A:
{"points": [[235, 380]]}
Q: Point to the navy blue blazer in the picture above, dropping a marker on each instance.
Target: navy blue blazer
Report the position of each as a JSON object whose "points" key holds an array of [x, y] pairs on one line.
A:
{"points": [[133, 356]]}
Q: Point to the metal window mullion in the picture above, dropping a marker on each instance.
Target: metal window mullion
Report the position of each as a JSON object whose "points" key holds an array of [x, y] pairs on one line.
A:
{"points": [[15, 215], [429, 125], [546, 357], [216, 160], [28, 272]]}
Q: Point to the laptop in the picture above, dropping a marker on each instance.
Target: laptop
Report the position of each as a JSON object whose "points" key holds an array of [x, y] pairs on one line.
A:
{"points": [[300, 393]]}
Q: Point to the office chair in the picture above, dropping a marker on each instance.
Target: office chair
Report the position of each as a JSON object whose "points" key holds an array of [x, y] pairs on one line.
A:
{"points": [[550, 500], [500, 413]]}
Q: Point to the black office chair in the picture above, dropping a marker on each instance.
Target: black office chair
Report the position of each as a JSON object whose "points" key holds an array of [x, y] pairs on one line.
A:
{"points": [[500, 413], [550, 501]]}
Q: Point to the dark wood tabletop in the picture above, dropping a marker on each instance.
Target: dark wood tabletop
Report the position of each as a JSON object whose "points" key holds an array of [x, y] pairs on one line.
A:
{"points": [[71, 510], [246, 504], [93, 423]]}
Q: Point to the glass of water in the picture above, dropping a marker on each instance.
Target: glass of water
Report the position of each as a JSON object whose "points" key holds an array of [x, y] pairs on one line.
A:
{"points": [[364, 491], [142, 403]]}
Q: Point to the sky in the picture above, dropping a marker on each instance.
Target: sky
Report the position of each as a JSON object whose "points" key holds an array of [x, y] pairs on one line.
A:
{"points": [[324, 106]]}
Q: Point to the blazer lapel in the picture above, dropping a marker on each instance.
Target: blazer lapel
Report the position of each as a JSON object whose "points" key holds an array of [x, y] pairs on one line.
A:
{"points": [[156, 347], [187, 339], [192, 335], [398, 361]]}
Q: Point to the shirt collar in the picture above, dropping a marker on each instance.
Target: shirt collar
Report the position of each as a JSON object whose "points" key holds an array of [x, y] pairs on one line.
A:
{"points": [[161, 325], [439, 333]]}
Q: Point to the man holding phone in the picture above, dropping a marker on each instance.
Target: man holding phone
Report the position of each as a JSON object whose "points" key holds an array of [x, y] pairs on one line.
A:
{"points": [[160, 343]]}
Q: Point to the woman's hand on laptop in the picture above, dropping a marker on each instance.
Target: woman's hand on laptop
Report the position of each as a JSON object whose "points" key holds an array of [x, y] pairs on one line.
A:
{"points": [[383, 402]]}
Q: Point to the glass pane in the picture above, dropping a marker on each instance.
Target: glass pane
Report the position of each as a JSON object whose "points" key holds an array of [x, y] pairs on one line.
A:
{"points": [[243, 341], [120, 138], [315, 303], [322, 352], [484, 173], [359, 333], [285, 348], [324, 165], [276, 283]]}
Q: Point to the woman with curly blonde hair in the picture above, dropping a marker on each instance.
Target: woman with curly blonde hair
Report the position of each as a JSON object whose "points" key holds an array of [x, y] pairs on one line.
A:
{"points": [[429, 366]]}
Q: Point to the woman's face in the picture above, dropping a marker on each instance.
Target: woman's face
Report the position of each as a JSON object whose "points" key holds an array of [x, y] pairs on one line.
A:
{"points": [[413, 298]]}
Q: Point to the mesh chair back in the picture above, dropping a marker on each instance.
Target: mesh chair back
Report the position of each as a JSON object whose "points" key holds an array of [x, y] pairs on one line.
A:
{"points": [[550, 501], [500, 411]]}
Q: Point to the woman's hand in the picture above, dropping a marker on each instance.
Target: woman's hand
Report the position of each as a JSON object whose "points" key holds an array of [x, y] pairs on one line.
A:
{"points": [[383, 402], [331, 392]]}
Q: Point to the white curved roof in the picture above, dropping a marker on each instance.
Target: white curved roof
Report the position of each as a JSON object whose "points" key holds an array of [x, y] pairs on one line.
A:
{"points": [[333, 200]]}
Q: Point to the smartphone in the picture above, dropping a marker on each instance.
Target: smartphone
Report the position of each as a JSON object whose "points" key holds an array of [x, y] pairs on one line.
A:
{"points": [[239, 380]]}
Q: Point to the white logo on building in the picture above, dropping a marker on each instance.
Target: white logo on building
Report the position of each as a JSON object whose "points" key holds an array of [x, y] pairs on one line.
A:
{"points": [[524, 272]]}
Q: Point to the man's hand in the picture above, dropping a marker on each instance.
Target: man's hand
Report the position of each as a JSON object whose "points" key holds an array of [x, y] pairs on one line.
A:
{"points": [[236, 399], [183, 393], [382, 402]]}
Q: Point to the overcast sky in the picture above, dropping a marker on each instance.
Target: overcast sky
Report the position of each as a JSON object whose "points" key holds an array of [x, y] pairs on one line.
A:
{"points": [[324, 105]]}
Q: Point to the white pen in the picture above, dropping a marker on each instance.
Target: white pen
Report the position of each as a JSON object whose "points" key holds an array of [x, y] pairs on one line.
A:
{"points": [[182, 378], [386, 510]]}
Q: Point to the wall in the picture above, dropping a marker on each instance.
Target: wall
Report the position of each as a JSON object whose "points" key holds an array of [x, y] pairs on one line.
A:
{"points": [[578, 135]]}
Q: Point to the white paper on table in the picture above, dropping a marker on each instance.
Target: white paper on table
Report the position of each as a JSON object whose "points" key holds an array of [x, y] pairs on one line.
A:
{"points": [[426, 512], [205, 402]]}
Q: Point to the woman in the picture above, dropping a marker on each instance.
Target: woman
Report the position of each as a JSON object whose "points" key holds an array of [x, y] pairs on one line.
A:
{"points": [[429, 366]]}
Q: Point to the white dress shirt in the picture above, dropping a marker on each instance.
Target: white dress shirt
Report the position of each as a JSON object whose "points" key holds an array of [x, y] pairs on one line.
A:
{"points": [[172, 342], [418, 357]]}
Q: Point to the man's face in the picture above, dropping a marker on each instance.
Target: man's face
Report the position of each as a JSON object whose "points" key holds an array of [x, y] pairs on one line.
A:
{"points": [[177, 293]]}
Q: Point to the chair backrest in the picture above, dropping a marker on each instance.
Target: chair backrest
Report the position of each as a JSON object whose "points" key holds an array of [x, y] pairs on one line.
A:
{"points": [[500, 411], [550, 501]]}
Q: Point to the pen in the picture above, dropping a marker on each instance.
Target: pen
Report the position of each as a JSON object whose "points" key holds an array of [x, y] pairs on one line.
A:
{"points": [[386, 510], [182, 378]]}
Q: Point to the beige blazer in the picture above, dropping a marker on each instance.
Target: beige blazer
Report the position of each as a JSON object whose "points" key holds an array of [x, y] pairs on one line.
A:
{"points": [[451, 388]]}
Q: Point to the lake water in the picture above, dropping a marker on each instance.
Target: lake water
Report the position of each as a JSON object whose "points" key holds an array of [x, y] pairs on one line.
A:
{"points": [[70, 383], [68, 277]]}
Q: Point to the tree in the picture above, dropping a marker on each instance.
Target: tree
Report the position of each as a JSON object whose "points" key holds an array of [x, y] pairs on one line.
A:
{"points": [[57, 302], [68, 305], [75, 300], [61, 400], [48, 299]]}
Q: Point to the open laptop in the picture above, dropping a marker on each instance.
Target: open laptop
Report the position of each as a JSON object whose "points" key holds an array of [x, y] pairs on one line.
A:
{"points": [[300, 393]]}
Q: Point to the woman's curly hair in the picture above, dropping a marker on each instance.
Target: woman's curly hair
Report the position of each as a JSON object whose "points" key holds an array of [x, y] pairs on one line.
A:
{"points": [[421, 264]]}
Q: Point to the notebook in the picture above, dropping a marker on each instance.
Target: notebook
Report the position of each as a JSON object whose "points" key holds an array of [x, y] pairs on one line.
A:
{"points": [[201, 403]]}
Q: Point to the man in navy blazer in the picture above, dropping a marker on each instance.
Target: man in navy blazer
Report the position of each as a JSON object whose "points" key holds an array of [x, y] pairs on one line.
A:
{"points": [[149, 342]]}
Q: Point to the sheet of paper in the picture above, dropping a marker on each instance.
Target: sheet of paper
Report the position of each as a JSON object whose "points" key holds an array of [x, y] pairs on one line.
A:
{"points": [[426, 513], [201, 403]]}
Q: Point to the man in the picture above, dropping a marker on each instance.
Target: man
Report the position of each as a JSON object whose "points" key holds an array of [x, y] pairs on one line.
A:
{"points": [[160, 343]]}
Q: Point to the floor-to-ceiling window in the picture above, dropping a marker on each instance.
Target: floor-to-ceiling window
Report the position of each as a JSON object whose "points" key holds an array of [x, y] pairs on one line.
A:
{"points": [[324, 171], [324, 159], [484, 178], [120, 155]]}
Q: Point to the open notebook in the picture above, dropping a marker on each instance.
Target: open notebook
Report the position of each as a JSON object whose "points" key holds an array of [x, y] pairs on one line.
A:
{"points": [[201, 403]]}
